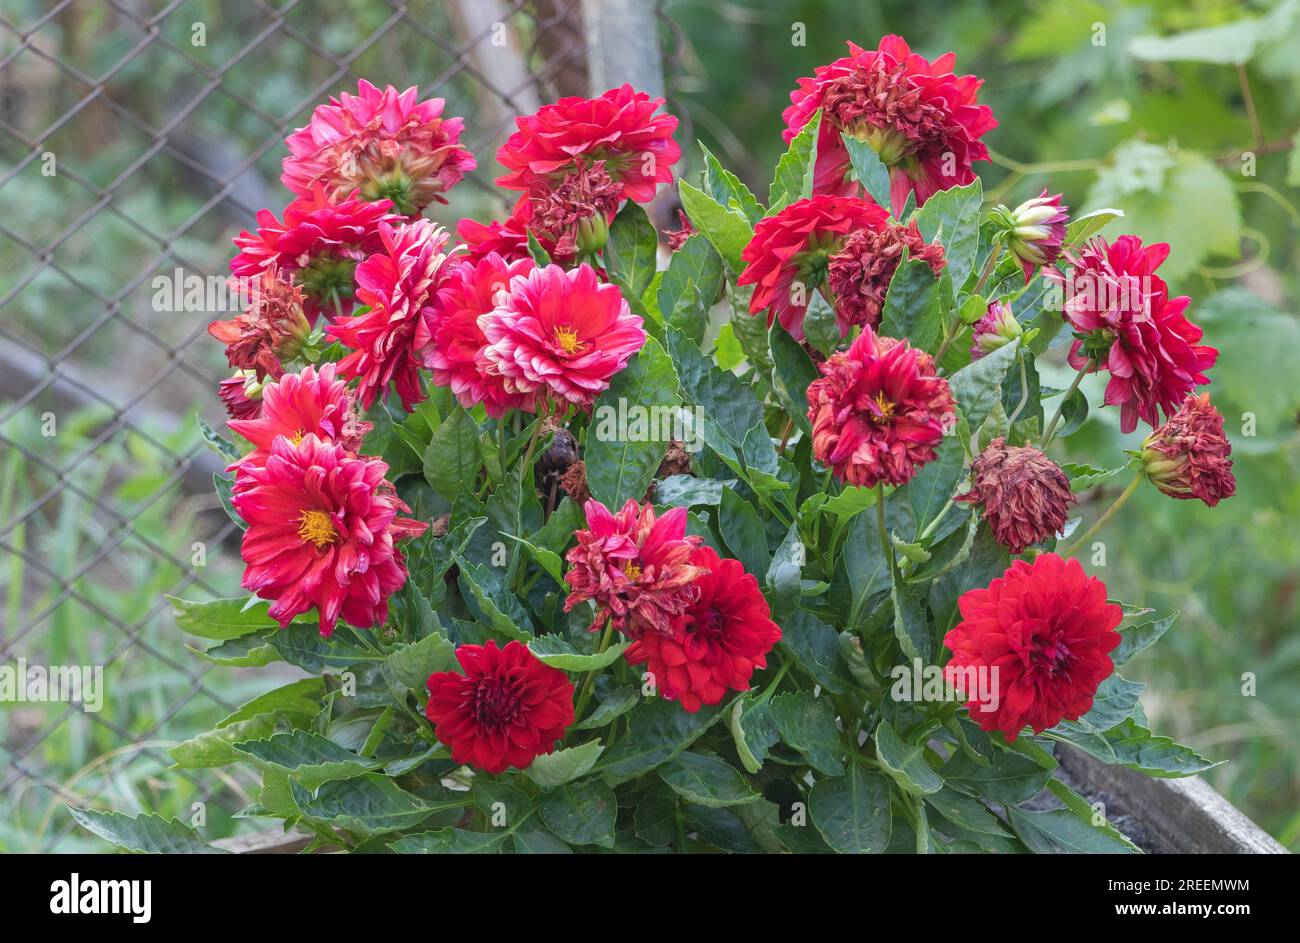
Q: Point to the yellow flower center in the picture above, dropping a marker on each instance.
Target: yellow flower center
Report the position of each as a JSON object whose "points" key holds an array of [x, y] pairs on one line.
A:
{"points": [[632, 570], [886, 408], [317, 527], [297, 437], [567, 339]]}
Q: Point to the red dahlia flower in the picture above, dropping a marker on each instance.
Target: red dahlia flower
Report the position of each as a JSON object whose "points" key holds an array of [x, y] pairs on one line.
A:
{"points": [[241, 395], [997, 328], [1034, 230], [877, 411], [716, 644], [384, 144], [398, 285], [506, 709], [1189, 456], [508, 239], [313, 402], [637, 568], [1042, 631], [676, 238], [322, 526], [788, 257], [860, 272], [451, 342], [271, 329], [319, 244], [1128, 325], [559, 336], [620, 128], [923, 121], [1025, 495]]}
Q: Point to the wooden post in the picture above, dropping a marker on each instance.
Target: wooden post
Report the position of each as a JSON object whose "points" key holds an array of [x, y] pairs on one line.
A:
{"points": [[623, 45]]}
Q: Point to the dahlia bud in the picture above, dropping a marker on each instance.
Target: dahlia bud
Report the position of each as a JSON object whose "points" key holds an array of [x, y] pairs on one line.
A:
{"points": [[1034, 231], [1025, 495], [591, 234], [242, 395], [1188, 457], [997, 328]]}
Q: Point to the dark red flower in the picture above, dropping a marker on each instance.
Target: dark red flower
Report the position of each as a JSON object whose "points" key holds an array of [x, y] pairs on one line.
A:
{"points": [[676, 238], [508, 238], [1128, 325], [877, 411], [507, 707], [860, 272], [717, 643], [270, 330], [235, 395], [1025, 495], [923, 121], [1189, 456], [1041, 633], [787, 259]]}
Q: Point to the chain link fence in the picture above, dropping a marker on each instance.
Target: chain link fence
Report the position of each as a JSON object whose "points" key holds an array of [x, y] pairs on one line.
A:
{"points": [[136, 138]]}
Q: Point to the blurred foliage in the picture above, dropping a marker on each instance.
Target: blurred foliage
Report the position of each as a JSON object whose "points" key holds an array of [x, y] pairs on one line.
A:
{"points": [[1183, 114]]}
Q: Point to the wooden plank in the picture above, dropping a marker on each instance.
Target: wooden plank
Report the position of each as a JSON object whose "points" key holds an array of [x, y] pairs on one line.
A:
{"points": [[1185, 815]]}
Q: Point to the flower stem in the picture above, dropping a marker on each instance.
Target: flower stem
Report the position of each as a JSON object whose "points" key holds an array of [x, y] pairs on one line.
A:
{"points": [[584, 695], [995, 256], [1060, 408], [886, 545], [1073, 548]]}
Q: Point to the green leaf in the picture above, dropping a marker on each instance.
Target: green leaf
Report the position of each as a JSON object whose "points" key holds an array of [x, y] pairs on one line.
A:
{"points": [[538, 841], [928, 492], [618, 469], [785, 571], [450, 841], [1061, 828], [1140, 637], [304, 646], [1084, 476], [706, 781], [370, 804], [1009, 779], [953, 217], [615, 704], [727, 189], [308, 757], [1084, 227], [548, 560], [821, 328], [728, 404], [978, 386], [807, 724], [1233, 43], [793, 371], [905, 762], [581, 813], [454, 456], [726, 228], [632, 248], [214, 748], [753, 729], [147, 833], [657, 731], [222, 619], [689, 287], [493, 603], [222, 446], [911, 621], [535, 249], [247, 651], [411, 665], [912, 306], [794, 171], [556, 652], [300, 699], [965, 812], [685, 491], [555, 769], [743, 531], [868, 169], [815, 646], [852, 812], [1136, 747]]}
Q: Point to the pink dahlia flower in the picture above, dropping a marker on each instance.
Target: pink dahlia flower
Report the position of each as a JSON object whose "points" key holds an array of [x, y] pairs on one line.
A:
{"points": [[397, 284], [787, 259], [1133, 329], [878, 411], [1189, 456], [384, 144], [558, 336], [450, 341], [322, 526], [619, 127], [319, 244], [997, 328], [923, 121], [1035, 231], [636, 567]]}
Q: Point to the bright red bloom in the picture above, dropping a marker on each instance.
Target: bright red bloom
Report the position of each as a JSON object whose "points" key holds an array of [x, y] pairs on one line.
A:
{"points": [[384, 144], [452, 344], [271, 329], [1133, 329], [319, 244], [321, 530], [923, 121], [508, 238], [559, 336], [1042, 630], [635, 566], [1025, 495], [877, 411], [398, 285], [1189, 456], [860, 272], [312, 402], [507, 708], [717, 643], [620, 128], [235, 395], [787, 259]]}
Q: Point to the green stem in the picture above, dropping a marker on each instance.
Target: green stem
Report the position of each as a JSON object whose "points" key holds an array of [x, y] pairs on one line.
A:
{"points": [[995, 256], [1110, 512], [1060, 408], [584, 695], [886, 545], [1024, 391]]}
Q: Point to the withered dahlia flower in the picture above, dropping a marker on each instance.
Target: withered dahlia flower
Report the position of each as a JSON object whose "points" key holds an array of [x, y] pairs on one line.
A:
{"points": [[397, 284], [1042, 632], [504, 710], [619, 127], [319, 244], [877, 411], [1127, 324], [270, 330], [575, 214], [860, 272], [558, 336], [322, 526], [717, 643], [995, 329], [311, 402], [788, 257], [384, 144], [923, 121], [1189, 456], [636, 567], [1024, 494], [1034, 230], [450, 341]]}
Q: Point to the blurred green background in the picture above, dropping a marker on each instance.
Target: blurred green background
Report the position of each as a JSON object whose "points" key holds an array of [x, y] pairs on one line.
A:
{"points": [[1184, 114]]}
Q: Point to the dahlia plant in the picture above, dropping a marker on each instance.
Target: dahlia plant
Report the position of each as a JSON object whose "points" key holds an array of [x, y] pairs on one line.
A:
{"points": [[564, 566]]}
